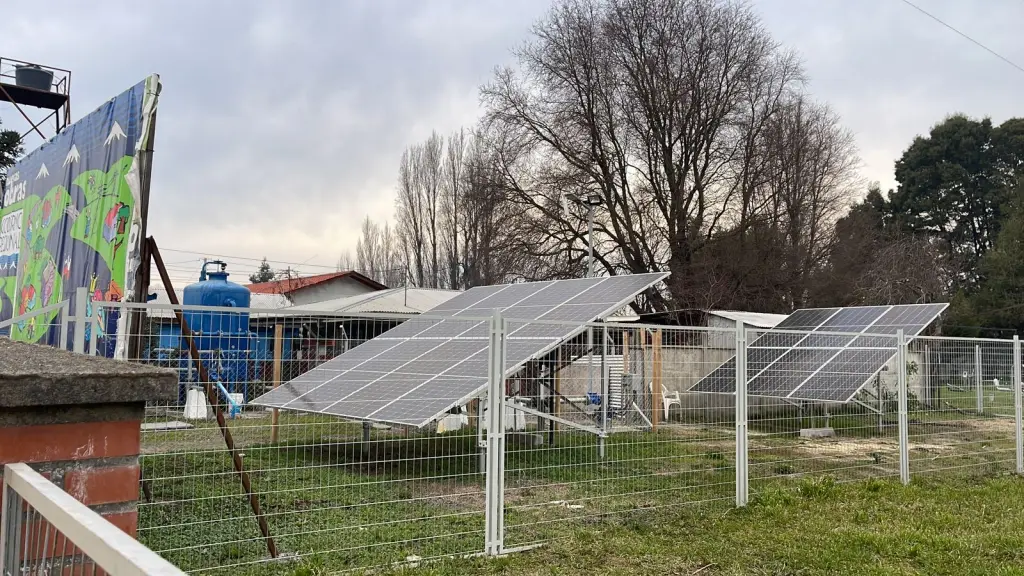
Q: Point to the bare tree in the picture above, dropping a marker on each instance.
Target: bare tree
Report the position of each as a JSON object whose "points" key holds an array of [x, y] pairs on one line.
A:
{"points": [[874, 262], [392, 264], [346, 261], [679, 115], [492, 229], [906, 269], [812, 178], [411, 216], [430, 169], [378, 254], [368, 249], [452, 201]]}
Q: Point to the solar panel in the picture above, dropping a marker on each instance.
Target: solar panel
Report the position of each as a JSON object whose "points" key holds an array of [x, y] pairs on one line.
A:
{"points": [[816, 364], [417, 371]]}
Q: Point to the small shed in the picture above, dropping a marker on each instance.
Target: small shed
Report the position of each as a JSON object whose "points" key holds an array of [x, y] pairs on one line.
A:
{"points": [[720, 320], [309, 289]]}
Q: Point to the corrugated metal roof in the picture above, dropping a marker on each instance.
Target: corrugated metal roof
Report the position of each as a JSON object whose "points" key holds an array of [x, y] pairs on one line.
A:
{"points": [[393, 301], [757, 319]]}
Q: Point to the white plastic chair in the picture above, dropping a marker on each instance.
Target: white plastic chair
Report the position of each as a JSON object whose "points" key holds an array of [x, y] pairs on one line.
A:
{"points": [[668, 400]]}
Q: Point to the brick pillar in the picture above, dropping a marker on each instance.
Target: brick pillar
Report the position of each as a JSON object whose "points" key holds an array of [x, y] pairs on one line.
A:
{"points": [[76, 419]]}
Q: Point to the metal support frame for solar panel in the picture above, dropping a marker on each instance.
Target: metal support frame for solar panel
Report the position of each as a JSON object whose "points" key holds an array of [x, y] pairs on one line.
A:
{"points": [[855, 334], [454, 332]]}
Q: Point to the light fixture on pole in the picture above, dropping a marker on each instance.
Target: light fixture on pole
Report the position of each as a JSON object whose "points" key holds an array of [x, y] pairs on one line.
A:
{"points": [[591, 201]]}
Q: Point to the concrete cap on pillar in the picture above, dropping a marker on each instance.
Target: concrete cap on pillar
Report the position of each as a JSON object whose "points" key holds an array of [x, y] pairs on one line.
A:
{"points": [[33, 376]]}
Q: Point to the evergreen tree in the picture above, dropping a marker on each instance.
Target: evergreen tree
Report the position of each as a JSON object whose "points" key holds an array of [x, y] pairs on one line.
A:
{"points": [[263, 274]]}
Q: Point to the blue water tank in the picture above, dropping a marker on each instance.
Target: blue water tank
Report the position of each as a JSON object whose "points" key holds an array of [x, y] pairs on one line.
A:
{"points": [[222, 336], [217, 330]]}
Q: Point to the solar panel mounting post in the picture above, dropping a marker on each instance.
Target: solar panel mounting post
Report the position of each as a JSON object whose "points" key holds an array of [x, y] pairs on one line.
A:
{"points": [[901, 383]]}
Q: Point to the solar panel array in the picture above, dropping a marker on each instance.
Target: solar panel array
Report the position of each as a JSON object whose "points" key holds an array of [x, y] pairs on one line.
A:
{"points": [[815, 365], [417, 371]]}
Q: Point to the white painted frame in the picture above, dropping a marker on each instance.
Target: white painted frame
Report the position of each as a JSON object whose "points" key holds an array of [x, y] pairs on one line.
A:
{"points": [[105, 544]]}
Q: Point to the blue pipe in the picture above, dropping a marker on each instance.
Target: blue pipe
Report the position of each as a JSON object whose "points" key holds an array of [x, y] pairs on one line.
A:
{"points": [[235, 408]]}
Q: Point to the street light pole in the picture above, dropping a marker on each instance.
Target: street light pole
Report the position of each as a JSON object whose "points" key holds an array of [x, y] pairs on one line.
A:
{"points": [[590, 241], [591, 201]]}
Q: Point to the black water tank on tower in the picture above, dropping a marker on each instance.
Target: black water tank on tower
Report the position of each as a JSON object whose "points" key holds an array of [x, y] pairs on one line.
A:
{"points": [[32, 76]]}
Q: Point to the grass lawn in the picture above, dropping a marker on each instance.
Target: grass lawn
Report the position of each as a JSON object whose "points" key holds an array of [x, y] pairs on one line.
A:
{"points": [[934, 526], [658, 501]]}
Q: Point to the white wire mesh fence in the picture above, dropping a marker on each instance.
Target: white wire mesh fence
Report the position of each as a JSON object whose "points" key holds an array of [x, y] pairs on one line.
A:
{"points": [[331, 491], [962, 406], [603, 424], [794, 435]]}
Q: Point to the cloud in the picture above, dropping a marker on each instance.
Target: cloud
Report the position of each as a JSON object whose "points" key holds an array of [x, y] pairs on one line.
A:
{"points": [[281, 124], [892, 73]]}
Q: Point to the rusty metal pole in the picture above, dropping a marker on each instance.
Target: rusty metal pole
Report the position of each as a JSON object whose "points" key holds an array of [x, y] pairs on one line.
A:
{"points": [[211, 397]]}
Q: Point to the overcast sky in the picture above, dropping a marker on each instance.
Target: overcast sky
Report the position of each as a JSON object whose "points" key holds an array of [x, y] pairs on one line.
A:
{"points": [[281, 123]]}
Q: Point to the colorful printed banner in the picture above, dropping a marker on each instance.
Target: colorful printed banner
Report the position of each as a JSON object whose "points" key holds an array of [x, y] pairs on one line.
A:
{"points": [[70, 215]]}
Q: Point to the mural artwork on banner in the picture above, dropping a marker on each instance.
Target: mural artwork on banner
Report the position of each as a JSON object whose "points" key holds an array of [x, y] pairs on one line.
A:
{"points": [[71, 216]]}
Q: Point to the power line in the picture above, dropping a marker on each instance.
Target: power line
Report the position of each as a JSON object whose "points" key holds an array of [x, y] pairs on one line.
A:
{"points": [[972, 40], [226, 257]]}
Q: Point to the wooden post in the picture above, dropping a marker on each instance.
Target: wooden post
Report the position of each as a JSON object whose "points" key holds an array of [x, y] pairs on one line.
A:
{"points": [[656, 379], [473, 413], [213, 400], [278, 345], [642, 368]]}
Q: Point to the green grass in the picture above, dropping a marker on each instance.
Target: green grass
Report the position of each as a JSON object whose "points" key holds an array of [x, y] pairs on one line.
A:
{"points": [[932, 526], [339, 504]]}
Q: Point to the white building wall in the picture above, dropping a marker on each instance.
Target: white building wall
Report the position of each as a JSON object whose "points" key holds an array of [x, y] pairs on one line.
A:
{"points": [[684, 366], [337, 288]]}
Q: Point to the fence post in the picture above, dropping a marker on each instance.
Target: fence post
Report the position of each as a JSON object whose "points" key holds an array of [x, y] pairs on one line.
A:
{"points": [[656, 390], [742, 464], [495, 477], [81, 303], [65, 310], [901, 383], [278, 352], [606, 390], [94, 332], [927, 373], [977, 380], [121, 340], [1018, 414]]}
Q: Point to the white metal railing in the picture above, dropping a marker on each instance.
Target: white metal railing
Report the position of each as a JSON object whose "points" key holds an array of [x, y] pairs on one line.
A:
{"points": [[44, 530]]}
